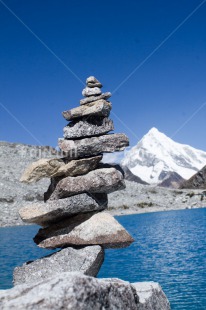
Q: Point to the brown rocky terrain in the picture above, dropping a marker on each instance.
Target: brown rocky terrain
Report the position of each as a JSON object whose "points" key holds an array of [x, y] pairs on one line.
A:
{"points": [[197, 181]]}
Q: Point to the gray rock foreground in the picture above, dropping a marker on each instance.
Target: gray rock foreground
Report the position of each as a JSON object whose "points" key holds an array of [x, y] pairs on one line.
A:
{"points": [[87, 260], [72, 290]]}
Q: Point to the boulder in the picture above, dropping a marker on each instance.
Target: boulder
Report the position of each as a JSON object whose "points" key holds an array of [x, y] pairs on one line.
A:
{"points": [[88, 127], [94, 145], [106, 180], [44, 214], [93, 82], [151, 296], [84, 229], [46, 168], [105, 96], [98, 108], [73, 290], [87, 260], [87, 91]]}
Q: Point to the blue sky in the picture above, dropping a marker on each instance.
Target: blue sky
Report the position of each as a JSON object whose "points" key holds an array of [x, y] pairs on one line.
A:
{"points": [[162, 42]]}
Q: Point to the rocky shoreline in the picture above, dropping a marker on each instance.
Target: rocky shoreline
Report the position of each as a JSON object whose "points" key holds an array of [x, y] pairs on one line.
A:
{"points": [[138, 198], [135, 199]]}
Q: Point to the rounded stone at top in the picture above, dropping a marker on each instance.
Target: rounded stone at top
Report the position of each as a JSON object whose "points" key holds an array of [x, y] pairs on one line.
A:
{"points": [[91, 81]]}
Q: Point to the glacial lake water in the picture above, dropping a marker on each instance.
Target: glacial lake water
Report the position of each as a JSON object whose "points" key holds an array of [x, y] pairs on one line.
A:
{"points": [[169, 247]]}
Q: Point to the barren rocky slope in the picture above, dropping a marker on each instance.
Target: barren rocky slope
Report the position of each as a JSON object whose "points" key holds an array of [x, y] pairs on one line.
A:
{"points": [[136, 198], [197, 181], [14, 158]]}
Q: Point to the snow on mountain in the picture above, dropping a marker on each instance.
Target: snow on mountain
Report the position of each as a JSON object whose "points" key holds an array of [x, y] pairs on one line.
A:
{"points": [[156, 155]]}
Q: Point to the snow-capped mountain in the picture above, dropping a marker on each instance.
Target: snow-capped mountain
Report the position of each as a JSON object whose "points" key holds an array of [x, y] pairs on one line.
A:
{"points": [[156, 155]]}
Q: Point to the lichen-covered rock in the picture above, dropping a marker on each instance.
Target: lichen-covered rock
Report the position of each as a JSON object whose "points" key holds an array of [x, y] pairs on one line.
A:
{"points": [[98, 108], [106, 180], [52, 211], [73, 290], [92, 126], [94, 145], [45, 168], [88, 91], [86, 100], [84, 229], [87, 260]]}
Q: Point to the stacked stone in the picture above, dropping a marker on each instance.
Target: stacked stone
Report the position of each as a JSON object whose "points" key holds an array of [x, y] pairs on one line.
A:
{"points": [[73, 215]]}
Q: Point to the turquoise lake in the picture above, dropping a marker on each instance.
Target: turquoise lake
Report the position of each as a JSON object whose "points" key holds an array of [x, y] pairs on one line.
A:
{"points": [[169, 247]]}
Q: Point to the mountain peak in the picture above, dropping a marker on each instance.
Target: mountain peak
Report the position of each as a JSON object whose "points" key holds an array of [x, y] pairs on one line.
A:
{"points": [[156, 155], [153, 130]]}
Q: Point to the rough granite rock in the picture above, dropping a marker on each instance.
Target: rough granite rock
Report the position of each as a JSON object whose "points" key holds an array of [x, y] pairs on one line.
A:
{"points": [[44, 214], [93, 82], [106, 180], [58, 167], [105, 96], [88, 91], [92, 126], [87, 260], [73, 290], [98, 108], [95, 145], [84, 229], [151, 296]]}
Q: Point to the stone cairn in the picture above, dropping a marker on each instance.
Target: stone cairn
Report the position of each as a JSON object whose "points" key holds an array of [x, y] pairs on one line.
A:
{"points": [[72, 215]]}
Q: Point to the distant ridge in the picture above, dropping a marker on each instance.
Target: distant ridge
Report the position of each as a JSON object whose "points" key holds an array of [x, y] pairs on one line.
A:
{"points": [[172, 180]]}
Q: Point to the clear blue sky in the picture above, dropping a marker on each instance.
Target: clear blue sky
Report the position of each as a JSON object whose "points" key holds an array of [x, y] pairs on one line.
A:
{"points": [[107, 39]]}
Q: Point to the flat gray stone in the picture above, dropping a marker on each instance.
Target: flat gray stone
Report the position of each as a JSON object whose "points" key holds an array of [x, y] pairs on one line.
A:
{"points": [[94, 145], [71, 291], [91, 91], [44, 214], [98, 108], [105, 180], [84, 229], [87, 260], [93, 82], [105, 96], [88, 127], [45, 168]]}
